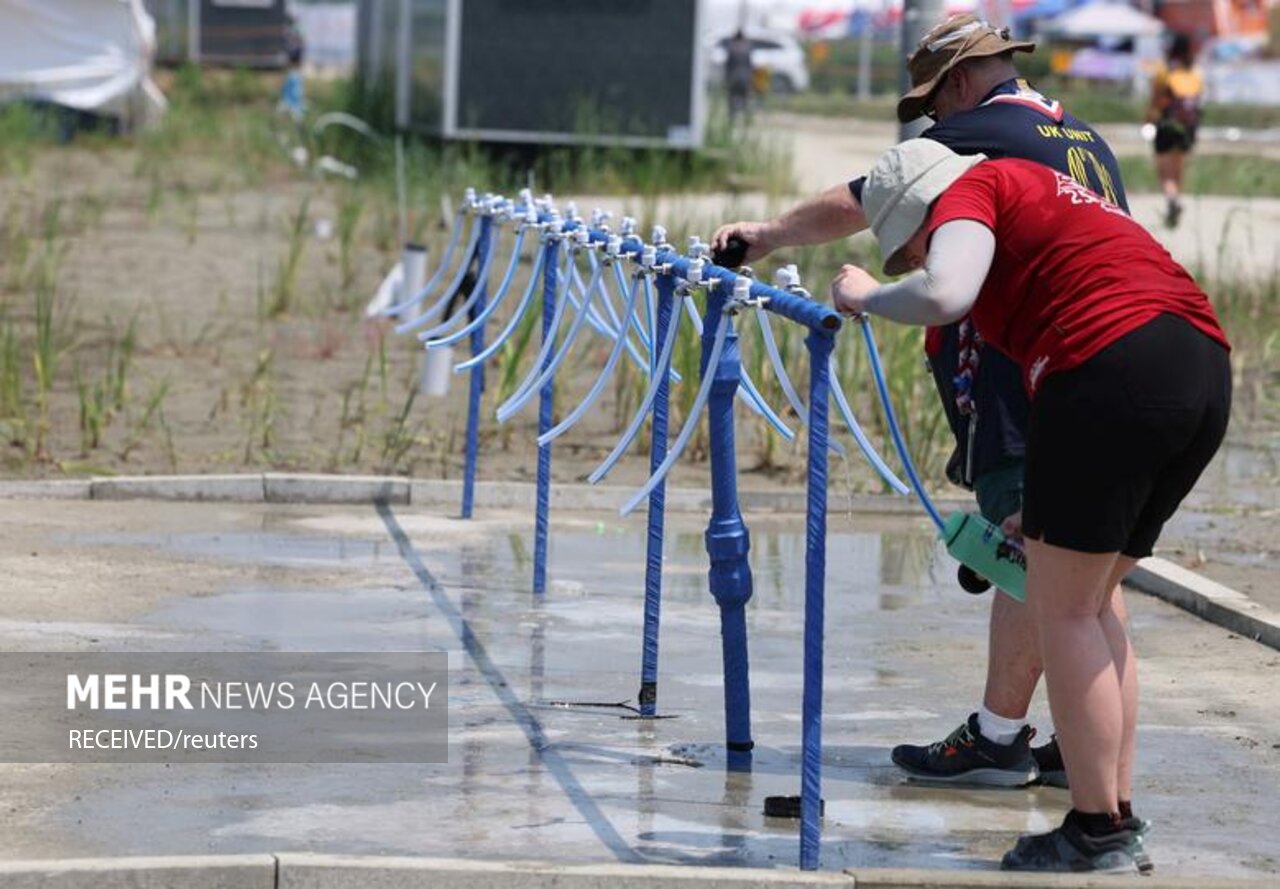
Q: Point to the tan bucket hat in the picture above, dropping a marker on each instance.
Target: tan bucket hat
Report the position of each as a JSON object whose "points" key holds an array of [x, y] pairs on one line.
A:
{"points": [[960, 37], [900, 188]]}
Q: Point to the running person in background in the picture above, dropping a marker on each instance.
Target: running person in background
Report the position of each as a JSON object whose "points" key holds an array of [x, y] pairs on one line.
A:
{"points": [[1129, 377], [964, 78], [1176, 94]]}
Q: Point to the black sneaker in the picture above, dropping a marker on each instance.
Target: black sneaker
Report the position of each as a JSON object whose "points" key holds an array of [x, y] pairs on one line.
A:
{"points": [[1068, 849], [966, 757], [1049, 761], [1172, 213]]}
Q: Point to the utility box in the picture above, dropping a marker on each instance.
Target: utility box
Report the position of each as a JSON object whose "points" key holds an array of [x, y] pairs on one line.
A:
{"points": [[538, 71], [249, 33]]}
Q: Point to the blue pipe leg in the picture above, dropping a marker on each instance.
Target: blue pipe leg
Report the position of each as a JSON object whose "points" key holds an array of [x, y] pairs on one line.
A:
{"points": [[727, 538], [550, 284], [820, 343], [477, 383], [657, 504]]}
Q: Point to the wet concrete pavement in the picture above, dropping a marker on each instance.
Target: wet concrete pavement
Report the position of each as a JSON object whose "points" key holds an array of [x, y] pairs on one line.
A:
{"points": [[530, 778]]}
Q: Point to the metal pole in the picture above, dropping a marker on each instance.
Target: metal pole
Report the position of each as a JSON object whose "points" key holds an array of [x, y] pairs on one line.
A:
{"points": [[820, 343], [918, 16], [864, 57], [477, 381], [727, 538], [550, 283], [657, 502]]}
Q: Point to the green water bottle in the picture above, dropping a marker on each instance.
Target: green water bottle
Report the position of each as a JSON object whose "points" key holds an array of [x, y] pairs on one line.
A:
{"points": [[975, 542]]}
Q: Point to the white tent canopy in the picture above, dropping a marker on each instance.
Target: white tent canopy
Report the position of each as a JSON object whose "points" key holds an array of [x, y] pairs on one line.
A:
{"points": [[90, 55], [1104, 19]]}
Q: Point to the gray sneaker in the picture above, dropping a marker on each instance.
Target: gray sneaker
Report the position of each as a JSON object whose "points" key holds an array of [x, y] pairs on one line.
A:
{"points": [[1068, 849]]}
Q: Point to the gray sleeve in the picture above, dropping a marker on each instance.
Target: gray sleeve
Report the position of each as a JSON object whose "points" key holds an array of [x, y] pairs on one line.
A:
{"points": [[960, 254]]}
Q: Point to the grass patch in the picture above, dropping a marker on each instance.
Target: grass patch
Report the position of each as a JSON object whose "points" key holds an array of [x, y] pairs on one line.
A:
{"points": [[1209, 174]]}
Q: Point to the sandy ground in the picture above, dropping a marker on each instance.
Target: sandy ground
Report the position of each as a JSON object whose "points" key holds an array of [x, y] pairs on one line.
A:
{"points": [[235, 390]]}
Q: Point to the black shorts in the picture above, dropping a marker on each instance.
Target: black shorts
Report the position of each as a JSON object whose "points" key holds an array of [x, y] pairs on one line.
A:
{"points": [[1114, 445], [1174, 136]]}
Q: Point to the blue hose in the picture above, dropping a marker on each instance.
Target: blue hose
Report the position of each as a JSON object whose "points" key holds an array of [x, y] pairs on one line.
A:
{"points": [[547, 344], [874, 354], [690, 423], [784, 379], [512, 323], [548, 368], [609, 366], [747, 390], [864, 443], [637, 421], [432, 338], [487, 253], [620, 278], [443, 302], [426, 288]]}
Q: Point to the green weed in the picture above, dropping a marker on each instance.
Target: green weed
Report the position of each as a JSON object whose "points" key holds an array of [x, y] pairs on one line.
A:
{"points": [[286, 280]]}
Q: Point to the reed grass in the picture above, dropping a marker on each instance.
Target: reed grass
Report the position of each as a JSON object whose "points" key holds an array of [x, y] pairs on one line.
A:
{"points": [[285, 284]]}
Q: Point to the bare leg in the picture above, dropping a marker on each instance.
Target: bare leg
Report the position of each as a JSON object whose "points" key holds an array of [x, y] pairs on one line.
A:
{"points": [[1066, 591], [1013, 658], [1115, 619], [1169, 171]]}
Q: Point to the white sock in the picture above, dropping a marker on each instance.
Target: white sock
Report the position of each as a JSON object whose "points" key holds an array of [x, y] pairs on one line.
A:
{"points": [[997, 729]]}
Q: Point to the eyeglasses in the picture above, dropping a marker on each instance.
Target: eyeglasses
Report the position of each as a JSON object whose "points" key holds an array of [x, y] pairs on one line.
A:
{"points": [[965, 31]]}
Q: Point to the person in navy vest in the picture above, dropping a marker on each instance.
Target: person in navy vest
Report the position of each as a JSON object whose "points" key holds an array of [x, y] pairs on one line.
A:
{"points": [[964, 78]]}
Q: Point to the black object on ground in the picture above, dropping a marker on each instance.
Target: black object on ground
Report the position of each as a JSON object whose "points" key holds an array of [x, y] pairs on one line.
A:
{"points": [[788, 807]]}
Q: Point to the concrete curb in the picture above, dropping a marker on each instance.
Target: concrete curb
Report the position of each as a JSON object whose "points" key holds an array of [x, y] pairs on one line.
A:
{"points": [[176, 872], [213, 488], [290, 870], [311, 488], [316, 488], [1207, 599], [306, 871], [48, 489]]}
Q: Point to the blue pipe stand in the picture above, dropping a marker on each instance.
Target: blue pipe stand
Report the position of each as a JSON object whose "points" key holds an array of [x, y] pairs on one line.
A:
{"points": [[550, 283], [477, 380], [727, 539], [666, 287], [820, 342]]}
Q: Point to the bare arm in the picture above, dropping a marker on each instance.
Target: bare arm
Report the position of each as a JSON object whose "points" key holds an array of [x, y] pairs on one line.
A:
{"points": [[960, 256], [833, 214]]}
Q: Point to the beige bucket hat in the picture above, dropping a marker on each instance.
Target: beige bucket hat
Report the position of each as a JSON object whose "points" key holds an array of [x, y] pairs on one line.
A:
{"points": [[960, 37], [900, 188]]}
